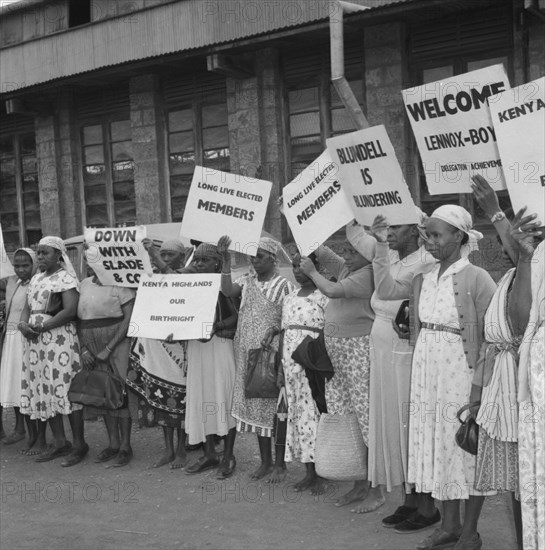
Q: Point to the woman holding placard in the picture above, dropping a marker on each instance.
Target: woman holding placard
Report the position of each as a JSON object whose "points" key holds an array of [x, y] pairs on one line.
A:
{"points": [[262, 293], [398, 258], [211, 379], [348, 321], [104, 314]]}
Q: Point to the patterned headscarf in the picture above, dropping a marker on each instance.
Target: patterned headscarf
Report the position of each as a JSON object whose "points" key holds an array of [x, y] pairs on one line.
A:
{"points": [[269, 245], [173, 245], [207, 250], [461, 219], [58, 244]]}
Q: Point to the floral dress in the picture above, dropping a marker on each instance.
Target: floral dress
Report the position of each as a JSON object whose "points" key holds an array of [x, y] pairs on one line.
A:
{"points": [[52, 360], [303, 415]]}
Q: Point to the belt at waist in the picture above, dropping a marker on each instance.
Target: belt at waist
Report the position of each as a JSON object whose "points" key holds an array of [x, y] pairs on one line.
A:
{"points": [[303, 327], [440, 328]]}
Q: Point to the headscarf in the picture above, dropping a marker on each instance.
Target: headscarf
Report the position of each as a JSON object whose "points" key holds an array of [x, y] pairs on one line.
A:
{"points": [[364, 243], [173, 245], [421, 225], [461, 219], [207, 250], [32, 255], [58, 244], [269, 245]]}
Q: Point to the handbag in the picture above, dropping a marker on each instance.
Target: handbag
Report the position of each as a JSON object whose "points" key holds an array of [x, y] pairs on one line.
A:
{"points": [[261, 374], [54, 304], [402, 317], [98, 388], [467, 436], [341, 454]]}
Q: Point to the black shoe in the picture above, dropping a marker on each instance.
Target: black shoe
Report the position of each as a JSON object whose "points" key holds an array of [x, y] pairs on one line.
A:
{"points": [[122, 459], [75, 457], [417, 522], [196, 447], [401, 514]]}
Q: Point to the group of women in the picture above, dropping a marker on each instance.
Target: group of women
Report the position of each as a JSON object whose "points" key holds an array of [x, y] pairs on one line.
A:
{"points": [[467, 341]]}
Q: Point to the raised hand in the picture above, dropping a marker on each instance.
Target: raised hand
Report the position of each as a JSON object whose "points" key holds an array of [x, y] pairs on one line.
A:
{"points": [[223, 246], [380, 228], [524, 232], [485, 195]]}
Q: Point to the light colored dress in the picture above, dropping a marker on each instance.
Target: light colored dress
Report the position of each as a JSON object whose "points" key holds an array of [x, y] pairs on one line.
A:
{"points": [[303, 415], [260, 309], [497, 456], [51, 361], [440, 385], [13, 345], [390, 372], [532, 413]]}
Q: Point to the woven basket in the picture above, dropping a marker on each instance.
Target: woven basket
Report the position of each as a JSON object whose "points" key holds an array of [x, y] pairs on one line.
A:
{"points": [[341, 454]]}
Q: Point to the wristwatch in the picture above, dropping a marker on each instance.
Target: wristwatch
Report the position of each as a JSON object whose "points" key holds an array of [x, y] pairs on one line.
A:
{"points": [[498, 216]]}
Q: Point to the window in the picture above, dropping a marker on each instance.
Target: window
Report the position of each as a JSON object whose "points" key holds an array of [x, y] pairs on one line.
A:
{"points": [[19, 189], [108, 174], [315, 114], [79, 12], [197, 135]]}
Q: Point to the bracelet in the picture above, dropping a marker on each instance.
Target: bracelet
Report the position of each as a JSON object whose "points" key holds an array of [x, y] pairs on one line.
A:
{"points": [[108, 348], [224, 274], [85, 351], [498, 216]]}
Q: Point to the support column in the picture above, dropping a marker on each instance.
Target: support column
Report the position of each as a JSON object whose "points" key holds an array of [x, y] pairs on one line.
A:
{"points": [[147, 126]]}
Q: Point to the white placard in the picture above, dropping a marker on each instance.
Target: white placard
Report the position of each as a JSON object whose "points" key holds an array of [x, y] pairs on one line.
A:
{"points": [[453, 129], [371, 176], [519, 120], [6, 268], [181, 305], [315, 205], [117, 255], [220, 203]]}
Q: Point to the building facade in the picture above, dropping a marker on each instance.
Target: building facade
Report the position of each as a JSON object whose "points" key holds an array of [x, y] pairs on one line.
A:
{"points": [[107, 106]]}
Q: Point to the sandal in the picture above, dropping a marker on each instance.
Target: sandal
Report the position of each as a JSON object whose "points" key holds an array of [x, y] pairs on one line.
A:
{"points": [[202, 465], [226, 469], [106, 454], [438, 540], [55, 452]]}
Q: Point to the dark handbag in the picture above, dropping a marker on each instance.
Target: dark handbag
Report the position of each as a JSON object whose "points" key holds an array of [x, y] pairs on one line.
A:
{"points": [[467, 436], [402, 317], [98, 388], [260, 381]]}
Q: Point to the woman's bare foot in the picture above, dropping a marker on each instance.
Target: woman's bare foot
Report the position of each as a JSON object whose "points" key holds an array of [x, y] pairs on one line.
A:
{"points": [[318, 486], [34, 448], [262, 471], [306, 482], [165, 459], [357, 493], [179, 462], [278, 474], [370, 504]]}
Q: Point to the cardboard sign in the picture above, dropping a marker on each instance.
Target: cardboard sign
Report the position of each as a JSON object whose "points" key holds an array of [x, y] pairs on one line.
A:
{"points": [[181, 305], [6, 268], [519, 121], [117, 255], [371, 176], [453, 129], [220, 204], [315, 205]]}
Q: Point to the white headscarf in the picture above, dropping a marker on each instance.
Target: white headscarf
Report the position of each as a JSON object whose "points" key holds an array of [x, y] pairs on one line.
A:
{"points": [[32, 255], [364, 243], [58, 244], [461, 219]]}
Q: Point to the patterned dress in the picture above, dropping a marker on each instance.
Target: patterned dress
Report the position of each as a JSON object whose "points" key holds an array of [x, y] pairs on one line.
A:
{"points": [[440, 386], [52, 360], [532, 413], [303, 415], [260, 309]]}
